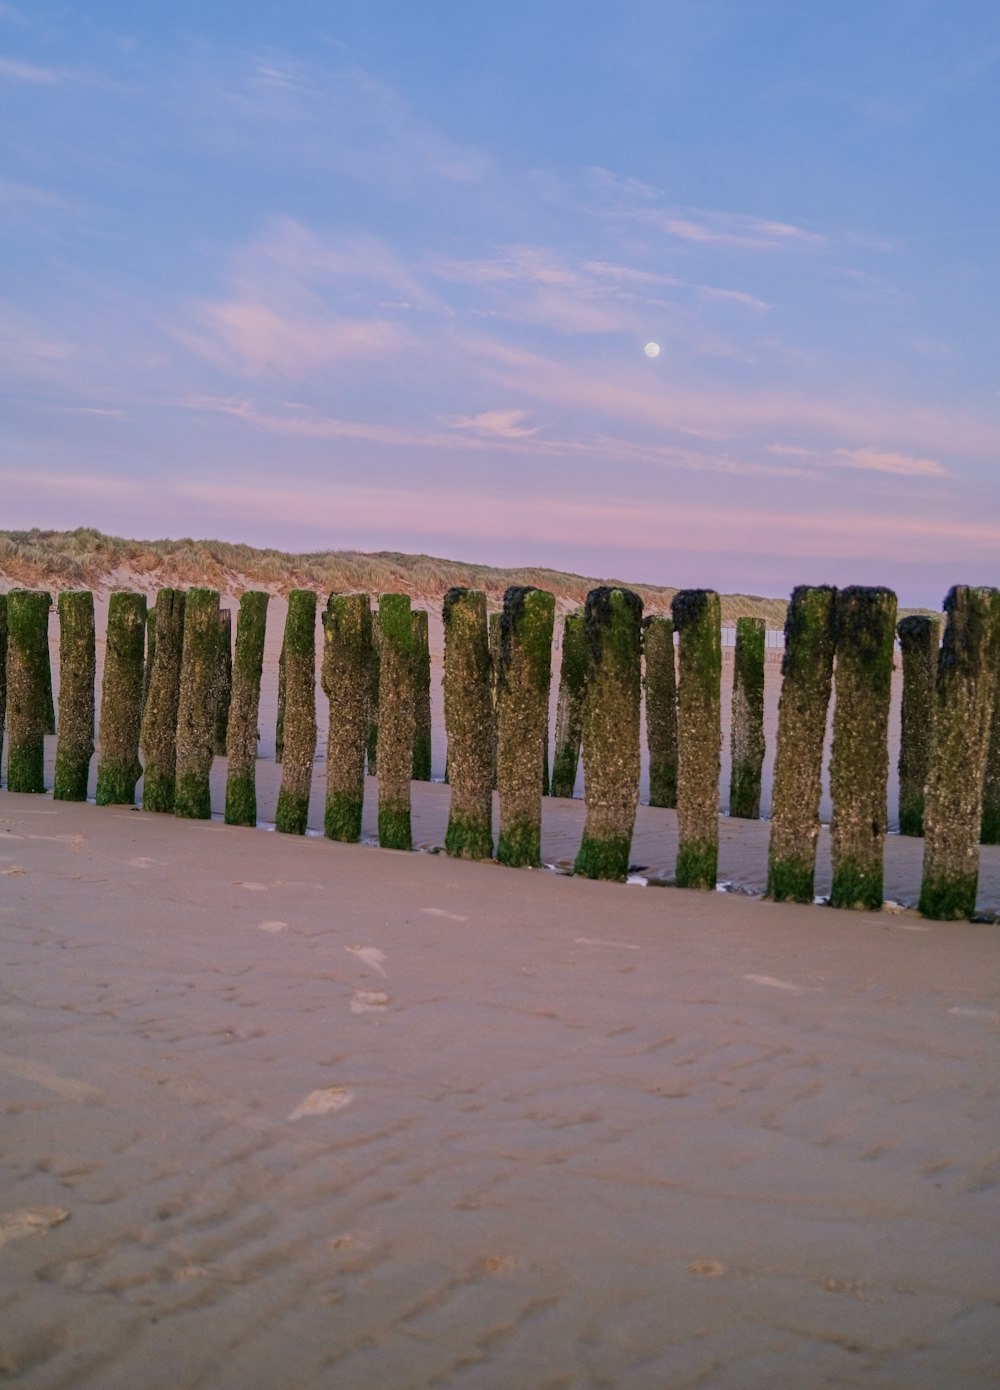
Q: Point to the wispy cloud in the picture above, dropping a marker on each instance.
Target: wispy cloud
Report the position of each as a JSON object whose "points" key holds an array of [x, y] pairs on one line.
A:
{"points": [[15, 71], [495, 424], [26, 195], [742, 232], [866, 460]]}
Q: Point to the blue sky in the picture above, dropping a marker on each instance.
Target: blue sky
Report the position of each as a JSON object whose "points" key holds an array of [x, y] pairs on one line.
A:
{"points": [[380, 275]]}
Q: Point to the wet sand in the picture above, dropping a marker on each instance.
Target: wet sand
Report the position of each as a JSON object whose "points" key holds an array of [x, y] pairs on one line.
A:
{"points": [[284, 1112]]}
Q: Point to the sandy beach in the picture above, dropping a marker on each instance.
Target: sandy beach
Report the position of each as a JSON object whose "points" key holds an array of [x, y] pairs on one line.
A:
{"points": [[280, 1111]]}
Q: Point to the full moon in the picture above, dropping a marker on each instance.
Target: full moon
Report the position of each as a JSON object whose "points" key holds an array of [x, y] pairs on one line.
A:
{"points": [[652, 349]]}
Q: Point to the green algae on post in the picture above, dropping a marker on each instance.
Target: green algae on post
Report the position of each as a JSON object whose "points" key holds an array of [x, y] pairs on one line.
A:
{"points": [[661, 708], [569, 710], [421, 697], [493, 623], [807, 676], [613, 621], [371, 709], [395, 721], [919, 638], [747, 719], [77, 672], [990, 831], [158, 737], [244, 710], [523, 679], [196, 705], [953, 807], [50, 709], [223, 682], [299, 725], [468, 719], [865, 630], [118, 766], [3, 669], [347, 657], [27, 665], [697, 618]]}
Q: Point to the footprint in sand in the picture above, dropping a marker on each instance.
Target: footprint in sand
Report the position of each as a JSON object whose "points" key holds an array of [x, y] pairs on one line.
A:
{"points": [[143, 861], [707, 1269], [443, 912], [771, 982], [33, 1221], [272, 927], [369, 1001], [323, 1101], [371, 955], [253, 887]]}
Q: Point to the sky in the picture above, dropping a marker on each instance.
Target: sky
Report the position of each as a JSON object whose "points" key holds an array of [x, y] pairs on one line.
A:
{"points": [[380, 275]]}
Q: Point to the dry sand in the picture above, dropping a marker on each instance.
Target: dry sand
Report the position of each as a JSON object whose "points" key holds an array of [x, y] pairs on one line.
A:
{"points": [[280, 1112]]}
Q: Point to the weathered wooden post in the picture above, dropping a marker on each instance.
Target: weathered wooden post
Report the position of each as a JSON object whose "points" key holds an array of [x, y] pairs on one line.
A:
{"points": [[158, 737], [395, 721], [697, 618], [77, 672], [300, 713], [421, 697], [966, 688], [468, 717], [244, 709], [493, 622], [807, 676], [223, 682], [147, 672], [569, 710], [918, 640], [661, 708], [118, 766], [525, 672], [3, 669], [747, 725], [865, 623], [347, 657], [613, 619], [27, 664], [371, 709], [196, 705], [990, 831]]}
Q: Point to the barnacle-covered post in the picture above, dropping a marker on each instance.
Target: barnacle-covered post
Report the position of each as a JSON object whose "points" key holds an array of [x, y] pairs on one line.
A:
{"points": [[371, 708], [569, 710], [494, 629], [77, 672], [807, 675], [158, 737], [747, 719], [223, 682], [966, 689], [27, 664], [196, 705], [697, 618], [661, 708], [395, 721], [918, 641], [613, 619], [299, 646], [468, 719], [118, 766], [865, 623], [523, 679], [3, 669], [347, 657], [421, 697], [244, 709]]}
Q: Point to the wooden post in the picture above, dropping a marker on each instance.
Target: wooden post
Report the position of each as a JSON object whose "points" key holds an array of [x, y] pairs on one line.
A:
{"points": [[569, 711], [77, 672], [522, 711], [196, 704], [244, 709], [661, 709], [347, 659], [27, 665], [396, 720], [747, 724], [299, 724], [468, 717], [698, 618], [919, 638], [118, 766]]}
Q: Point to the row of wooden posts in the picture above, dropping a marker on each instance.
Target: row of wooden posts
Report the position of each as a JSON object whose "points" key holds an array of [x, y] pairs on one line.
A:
{"points": [[180, 697]]}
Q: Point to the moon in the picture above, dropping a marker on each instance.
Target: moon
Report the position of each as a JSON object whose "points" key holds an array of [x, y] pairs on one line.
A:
{"points": [[652, 349]]}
